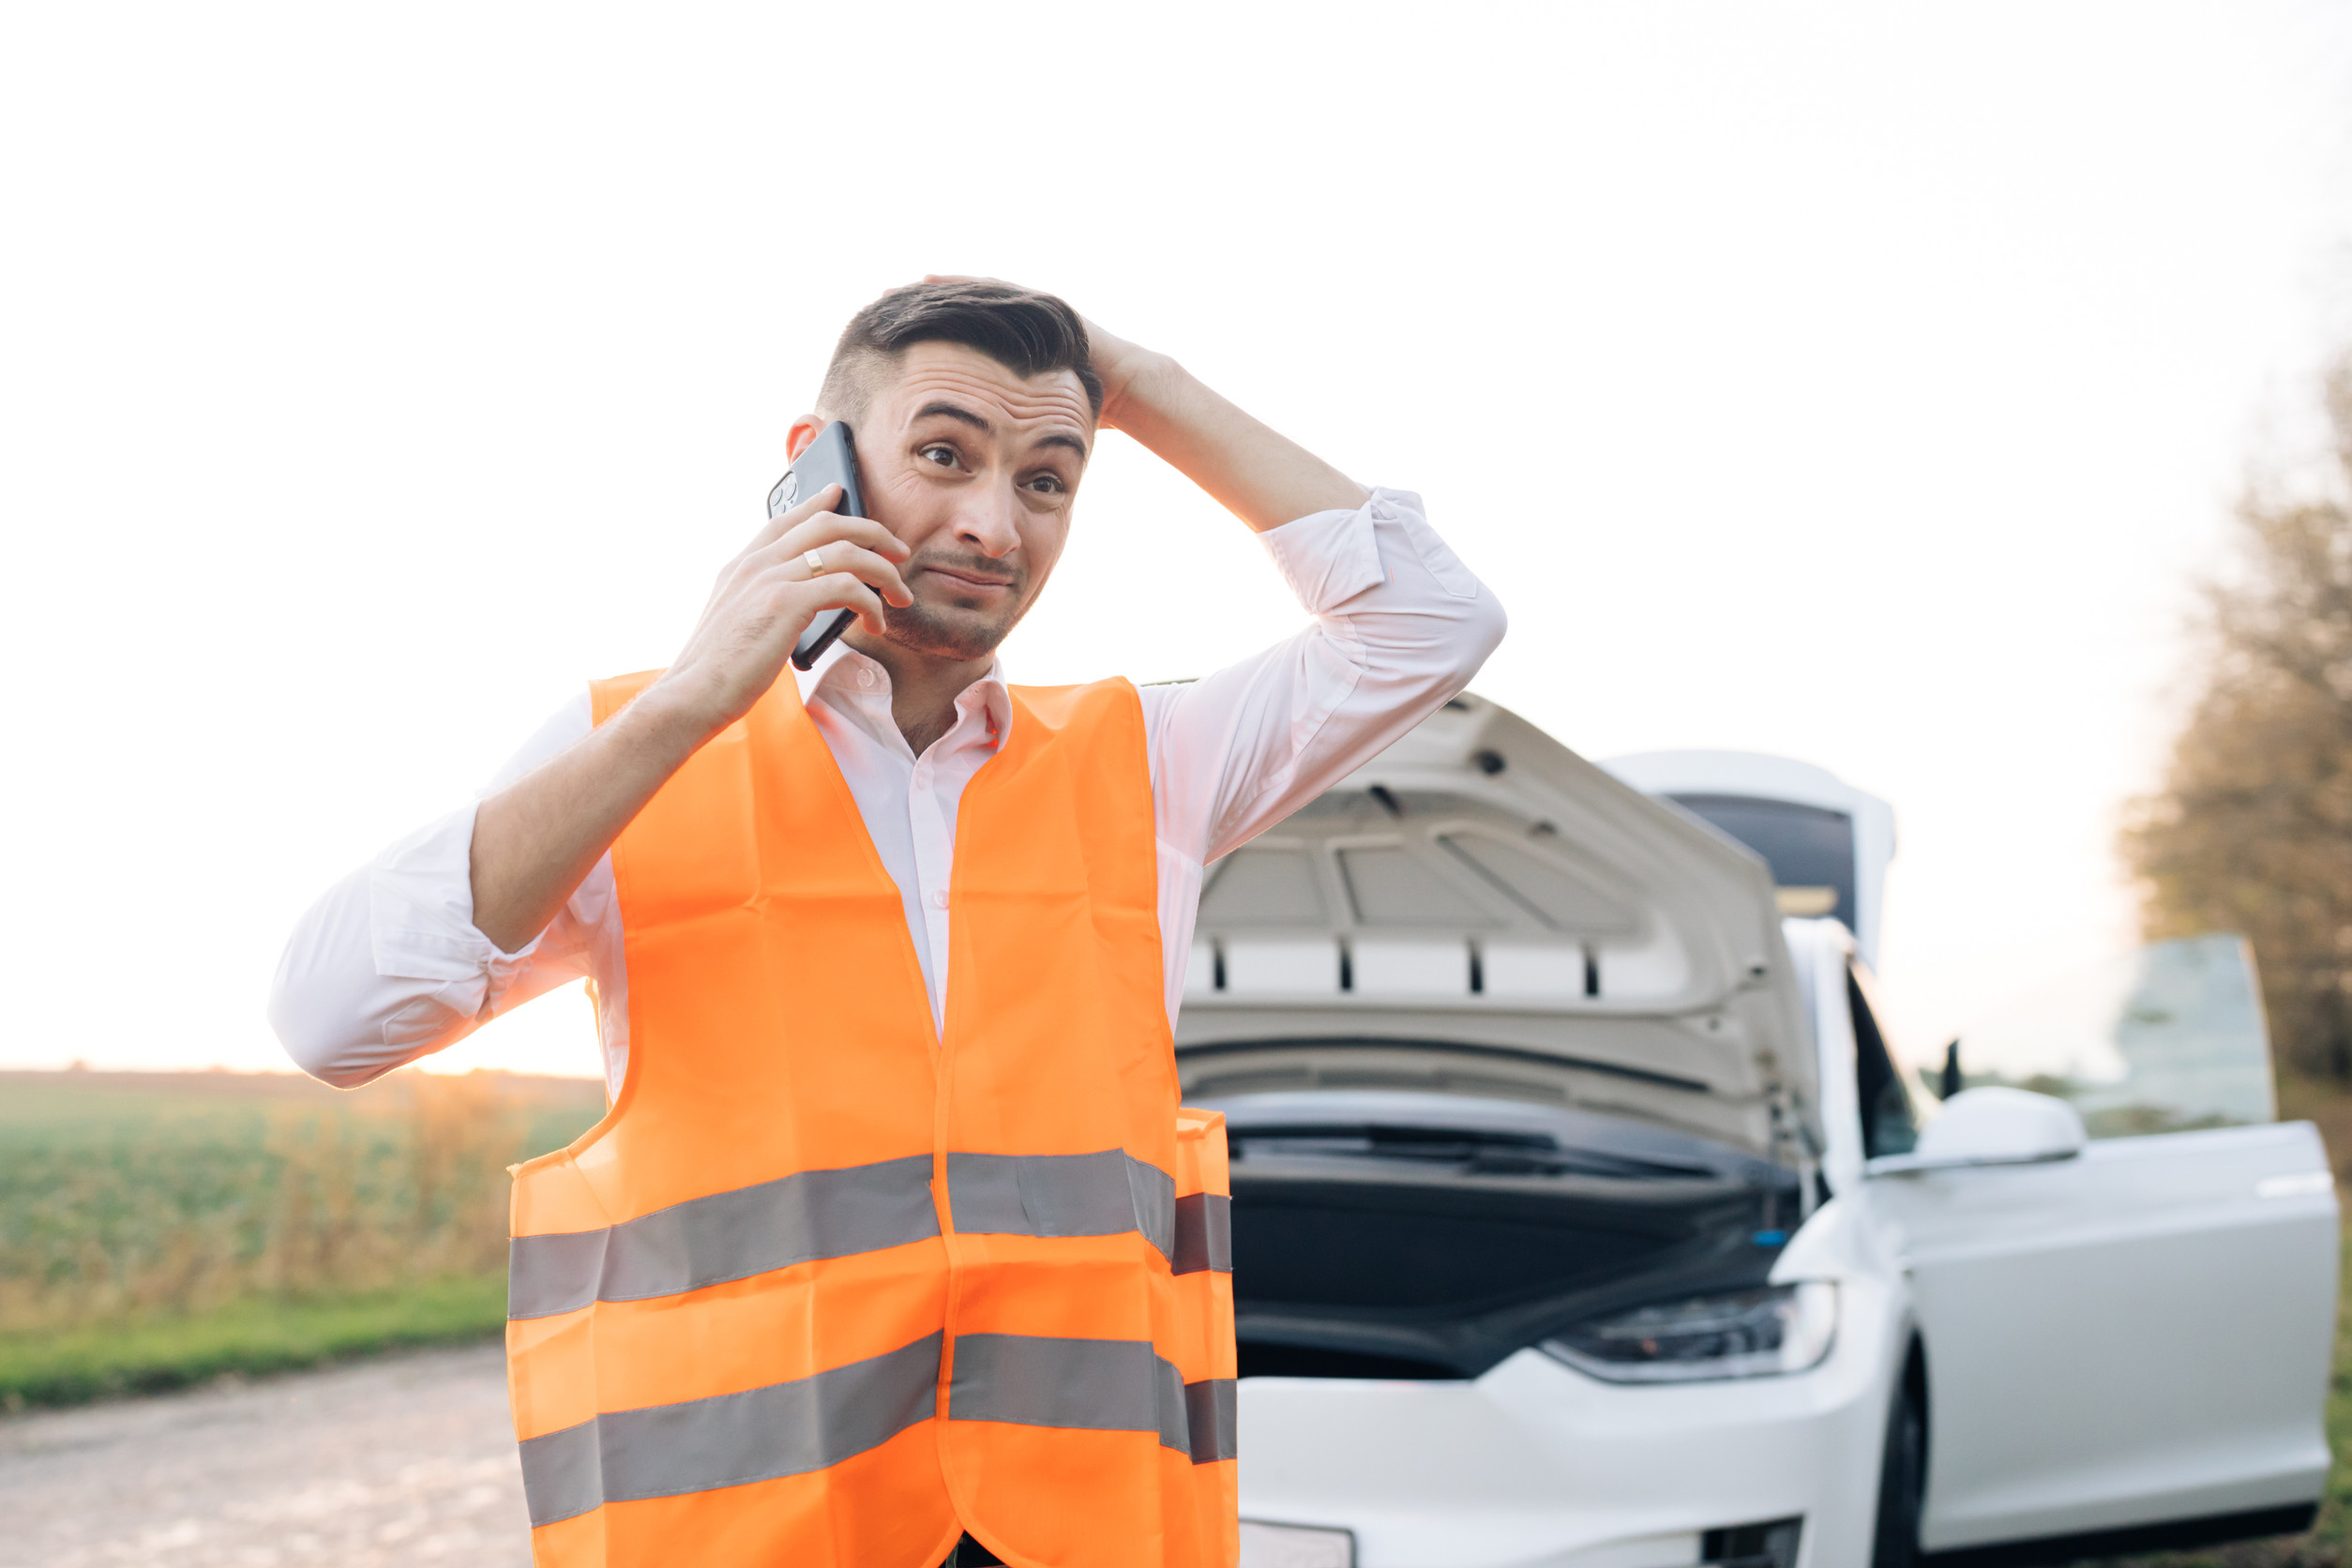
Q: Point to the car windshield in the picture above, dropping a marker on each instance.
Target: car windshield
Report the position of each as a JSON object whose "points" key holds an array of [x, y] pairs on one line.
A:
{"points": [[1810, 850]]}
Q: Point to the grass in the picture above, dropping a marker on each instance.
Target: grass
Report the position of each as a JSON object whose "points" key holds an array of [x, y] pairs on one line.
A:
{"points": [[160, 1229], [66, 1366]]}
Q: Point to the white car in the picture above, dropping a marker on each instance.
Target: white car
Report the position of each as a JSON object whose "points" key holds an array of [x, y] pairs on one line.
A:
{"points": [[1581, 1216]]}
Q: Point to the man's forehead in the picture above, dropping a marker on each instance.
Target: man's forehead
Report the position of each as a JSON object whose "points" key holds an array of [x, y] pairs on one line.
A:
{"points": [[950, 372]]}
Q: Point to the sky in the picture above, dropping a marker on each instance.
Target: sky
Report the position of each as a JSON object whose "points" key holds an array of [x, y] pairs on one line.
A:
{"points": [[1867, 384]]}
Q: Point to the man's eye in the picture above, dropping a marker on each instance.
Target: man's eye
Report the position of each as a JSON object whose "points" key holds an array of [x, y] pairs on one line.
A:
{"points": [[1047, 484], [940, 454]]}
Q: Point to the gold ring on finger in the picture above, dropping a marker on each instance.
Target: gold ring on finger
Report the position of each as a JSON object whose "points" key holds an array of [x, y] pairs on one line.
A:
{"points": [[816, 564]]}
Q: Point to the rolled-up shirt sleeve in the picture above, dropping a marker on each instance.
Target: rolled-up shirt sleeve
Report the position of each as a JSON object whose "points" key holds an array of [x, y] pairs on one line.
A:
{"points": [[1400, 625], [387, 965]]}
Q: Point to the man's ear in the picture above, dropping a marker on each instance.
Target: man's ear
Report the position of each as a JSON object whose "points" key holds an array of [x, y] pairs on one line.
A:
{"points": [[804, 430]]}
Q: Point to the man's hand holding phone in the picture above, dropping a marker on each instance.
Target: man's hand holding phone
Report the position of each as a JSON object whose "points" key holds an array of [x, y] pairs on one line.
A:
{"points": [[537, 838], [808, 562]]}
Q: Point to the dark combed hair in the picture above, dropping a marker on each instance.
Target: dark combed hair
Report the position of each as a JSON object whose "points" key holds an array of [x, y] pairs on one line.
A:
{"points": [[1027, 332]]}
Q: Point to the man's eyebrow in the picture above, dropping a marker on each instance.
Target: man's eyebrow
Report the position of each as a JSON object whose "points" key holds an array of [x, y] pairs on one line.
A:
{"points": [[956, 411], [978, 422]]}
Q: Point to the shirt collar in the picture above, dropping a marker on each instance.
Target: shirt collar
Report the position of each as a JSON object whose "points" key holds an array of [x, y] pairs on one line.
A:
{"points": [[835, 675]]}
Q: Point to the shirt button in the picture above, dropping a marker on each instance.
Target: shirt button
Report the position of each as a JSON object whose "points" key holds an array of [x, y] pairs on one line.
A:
{"points": [[939, 899], [866, 678]]}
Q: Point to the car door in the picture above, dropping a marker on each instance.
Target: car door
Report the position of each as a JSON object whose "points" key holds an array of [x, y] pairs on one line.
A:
{"points": [[2140, 1334]]}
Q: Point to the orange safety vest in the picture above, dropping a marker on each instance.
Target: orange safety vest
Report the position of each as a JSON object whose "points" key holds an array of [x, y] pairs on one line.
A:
{"points": [[828, 1288]]}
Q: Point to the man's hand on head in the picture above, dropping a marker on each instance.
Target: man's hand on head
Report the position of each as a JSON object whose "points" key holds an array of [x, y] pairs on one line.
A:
{"points": [[1261, 476], [1117, 361], [1121, 366]]}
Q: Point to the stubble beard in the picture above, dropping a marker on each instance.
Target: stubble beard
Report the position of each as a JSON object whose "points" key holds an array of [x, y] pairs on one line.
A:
{"points": [[948, 632]]}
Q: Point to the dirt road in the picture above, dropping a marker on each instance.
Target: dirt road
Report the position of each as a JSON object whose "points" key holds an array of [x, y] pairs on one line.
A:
{"points": [[400, 1461]]}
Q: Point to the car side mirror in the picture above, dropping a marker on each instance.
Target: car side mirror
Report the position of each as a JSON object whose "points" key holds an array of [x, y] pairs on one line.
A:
{"points": [[1991, 1127]]}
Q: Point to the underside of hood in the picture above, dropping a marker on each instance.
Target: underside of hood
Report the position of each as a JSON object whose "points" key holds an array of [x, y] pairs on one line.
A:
{"points": [[1479, 911]]}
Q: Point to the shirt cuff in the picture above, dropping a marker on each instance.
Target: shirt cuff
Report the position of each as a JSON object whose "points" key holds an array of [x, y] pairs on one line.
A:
{"points": [[421, 906], [1328, 558]]}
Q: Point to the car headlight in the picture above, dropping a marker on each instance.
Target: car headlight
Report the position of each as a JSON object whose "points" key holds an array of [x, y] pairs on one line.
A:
{"points": [[1743, 1333]]}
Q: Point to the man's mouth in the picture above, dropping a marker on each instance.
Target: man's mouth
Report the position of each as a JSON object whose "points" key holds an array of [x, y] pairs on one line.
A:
{"points": [[970, 580]]}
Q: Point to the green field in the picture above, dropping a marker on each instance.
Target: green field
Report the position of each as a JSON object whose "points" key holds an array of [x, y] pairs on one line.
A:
{"points": [[161, 1229]]}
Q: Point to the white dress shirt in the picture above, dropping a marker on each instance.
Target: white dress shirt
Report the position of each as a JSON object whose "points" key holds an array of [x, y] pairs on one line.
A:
{"points": [[388, 967]]}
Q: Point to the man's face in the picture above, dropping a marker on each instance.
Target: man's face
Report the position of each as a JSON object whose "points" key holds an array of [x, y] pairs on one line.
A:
{"points": [[975, 469]]}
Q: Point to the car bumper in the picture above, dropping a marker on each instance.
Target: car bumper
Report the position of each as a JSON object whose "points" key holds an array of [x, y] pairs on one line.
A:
{"points": [[1538, 1465]]}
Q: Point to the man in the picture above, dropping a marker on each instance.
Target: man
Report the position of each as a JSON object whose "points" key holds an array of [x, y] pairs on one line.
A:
{"points": [[895, 1248]]}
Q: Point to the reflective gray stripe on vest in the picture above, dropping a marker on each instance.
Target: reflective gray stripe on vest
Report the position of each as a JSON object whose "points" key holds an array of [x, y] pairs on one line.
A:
{"points": [[1103, 1193], [1092, 1385], [1204, 1233], [732, 1438], [728, 1235], [1212, 1410]]}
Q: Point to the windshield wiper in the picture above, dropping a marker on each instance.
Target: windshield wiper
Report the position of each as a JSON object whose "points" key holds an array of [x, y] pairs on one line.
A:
{"points": [[1476, 1151]]}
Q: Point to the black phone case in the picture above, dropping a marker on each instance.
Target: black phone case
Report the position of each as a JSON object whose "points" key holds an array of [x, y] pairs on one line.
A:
{"points": [[830, 459]]}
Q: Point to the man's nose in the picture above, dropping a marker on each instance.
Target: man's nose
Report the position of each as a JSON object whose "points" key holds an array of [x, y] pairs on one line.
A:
{"points": [[985, 519]]}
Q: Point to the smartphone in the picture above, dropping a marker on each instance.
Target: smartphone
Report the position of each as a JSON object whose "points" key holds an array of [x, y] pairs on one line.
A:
{"points": [[830, 459]]}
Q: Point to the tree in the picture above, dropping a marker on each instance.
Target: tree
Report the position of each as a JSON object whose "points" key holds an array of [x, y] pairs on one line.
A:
{"points": [[2251, 830]]}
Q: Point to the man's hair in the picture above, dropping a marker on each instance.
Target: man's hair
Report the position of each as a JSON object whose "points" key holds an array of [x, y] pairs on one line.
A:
{"points": [[1027, 332]]}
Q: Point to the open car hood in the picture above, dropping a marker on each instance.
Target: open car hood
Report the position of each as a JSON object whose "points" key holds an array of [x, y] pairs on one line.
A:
{"points": [[1480, 911]]}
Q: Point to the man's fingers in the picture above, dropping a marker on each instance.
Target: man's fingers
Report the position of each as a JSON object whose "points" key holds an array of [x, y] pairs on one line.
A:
{"points": [[841, 557], [811, 532], [875, 570], [792, 516], [844, 591], [826, 527]]}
